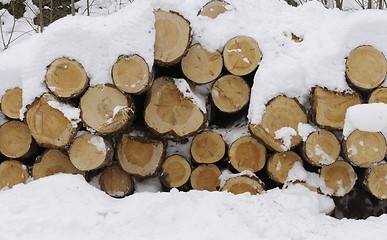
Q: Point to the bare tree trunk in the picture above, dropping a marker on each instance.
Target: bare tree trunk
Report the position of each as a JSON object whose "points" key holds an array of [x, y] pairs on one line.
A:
{"points": [[52, 11], [369, 6], [88, 7], [72, 7], [41, 23], [339, 4], [380, 4]]}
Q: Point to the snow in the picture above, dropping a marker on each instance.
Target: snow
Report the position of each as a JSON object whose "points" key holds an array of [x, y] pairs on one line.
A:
{"points": [[324, 158], [187, 92], [305, 129], [70, 112], [298, 173], [286, 134], [99, 143]]}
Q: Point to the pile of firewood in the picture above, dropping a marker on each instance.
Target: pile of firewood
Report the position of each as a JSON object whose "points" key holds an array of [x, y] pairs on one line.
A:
{"points": [[124, 126]]}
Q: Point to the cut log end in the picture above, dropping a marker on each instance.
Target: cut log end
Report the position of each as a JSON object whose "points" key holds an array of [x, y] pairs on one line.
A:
{"points": [[213, 9], [140, 156], [241, 55], [230, 93], [11, 103], [363, 149], [338, 178], [66, 78], [246, 153], [278, 128], [131, 74], [321, 148], [51, 162], [366, 67], [116, 182], [375, 181], [378, 96], [12, 172], [16, 140], [279, 165], [173, 36], [208, 147], [205, 177], [175, 172], [244, 184]]}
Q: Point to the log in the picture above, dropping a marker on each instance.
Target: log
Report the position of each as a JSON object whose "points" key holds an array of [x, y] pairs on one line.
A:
{"points": [[12, 172], [375, 181], [51, 162], [207, 147], [364, 149], [16, 140], [205, 177], [366, 68], [131, 74], [48, 125], [337, 179], [141, 157], [173, 37], [329, 107], [379, 95], [169, 111], [201, 66], [106, 110], [89, 152], [246, 153], [175, 172], [278, 128], [279, 164], [244, 184], [116, 182], [213, 8], [241, 55], [321, 148], [230, 94], [307, 185], [66, 78], [11, 103]]}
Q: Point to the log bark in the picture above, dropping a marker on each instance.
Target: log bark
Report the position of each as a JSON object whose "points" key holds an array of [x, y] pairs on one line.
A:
{"points": [[131, 74], [51, 162], [66, 78], [213, 9], [16, 140], [246, 153], [175, 172], [366, 68], [244, 184], [48, 125], [282, 116], [241, 55], [279, 165], [321, 148], [337, 179], [116, 182], [379, 95], [141, 157], [169, 112], [173, 37], [375, 181], [201, 66], [329, 107], [364, 149], [89, 152], [208, 147], [230, 94], [106, 110], [205, 177], [12, 172], [11, 103]]}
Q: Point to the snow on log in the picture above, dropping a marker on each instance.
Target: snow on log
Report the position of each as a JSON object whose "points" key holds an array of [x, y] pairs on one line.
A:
{"points": [[213, 8], [66, 78], [244, 184], [363, 148], [241, 55], [89, 152], [140, 157], [51, 162], [116, 182], [106, 110], [205, 177], [172, 108], [279, 164], [173, 37], [366, 68], [230, 94], [278, 128], [379, 95], [246, 153], [11, 103], [12, 172], [329, 107], [321, 148], [175, 172], [375, 181], [207, 147], [131, 74]]}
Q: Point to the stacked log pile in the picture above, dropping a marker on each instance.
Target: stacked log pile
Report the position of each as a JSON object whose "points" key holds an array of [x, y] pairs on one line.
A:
{"points": [[123, 128]]}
